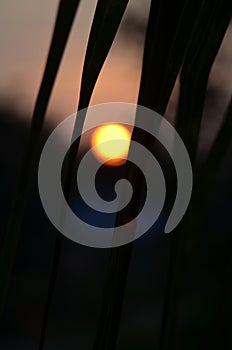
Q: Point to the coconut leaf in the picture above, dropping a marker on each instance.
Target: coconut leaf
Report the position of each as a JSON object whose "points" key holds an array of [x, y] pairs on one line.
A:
{"points": [[64, 20], [169, 30], [205, 43], [163, 38], [209, 33], [107, 18]]}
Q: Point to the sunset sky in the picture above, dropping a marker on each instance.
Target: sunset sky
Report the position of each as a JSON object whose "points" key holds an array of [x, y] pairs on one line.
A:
{"points": [[26, 29]]}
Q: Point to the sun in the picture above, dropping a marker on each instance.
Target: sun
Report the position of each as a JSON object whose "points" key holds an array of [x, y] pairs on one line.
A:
{"points": [[111, 144]]}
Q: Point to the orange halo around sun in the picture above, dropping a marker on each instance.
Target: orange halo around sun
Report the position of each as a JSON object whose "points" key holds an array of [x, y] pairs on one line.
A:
{"points": [[111, 153]]}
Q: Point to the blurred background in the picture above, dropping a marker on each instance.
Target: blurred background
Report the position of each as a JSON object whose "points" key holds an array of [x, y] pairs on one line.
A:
{"points": [[26, 29]]}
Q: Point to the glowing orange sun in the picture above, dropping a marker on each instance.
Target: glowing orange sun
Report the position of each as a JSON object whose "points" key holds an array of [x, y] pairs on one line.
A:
{"points": [[111, 144]]}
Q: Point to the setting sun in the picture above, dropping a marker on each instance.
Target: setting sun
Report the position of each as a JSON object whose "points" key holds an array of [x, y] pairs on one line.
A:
{"points": [[111, 152]]}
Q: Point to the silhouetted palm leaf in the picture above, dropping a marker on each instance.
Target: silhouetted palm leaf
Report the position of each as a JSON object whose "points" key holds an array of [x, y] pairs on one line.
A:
{"points": [[64, 20], [209, 32], [164, 37], [107, 18]]}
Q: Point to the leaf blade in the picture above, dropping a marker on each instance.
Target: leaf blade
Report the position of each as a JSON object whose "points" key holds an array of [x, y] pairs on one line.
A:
{"points": [[64, 20]]}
